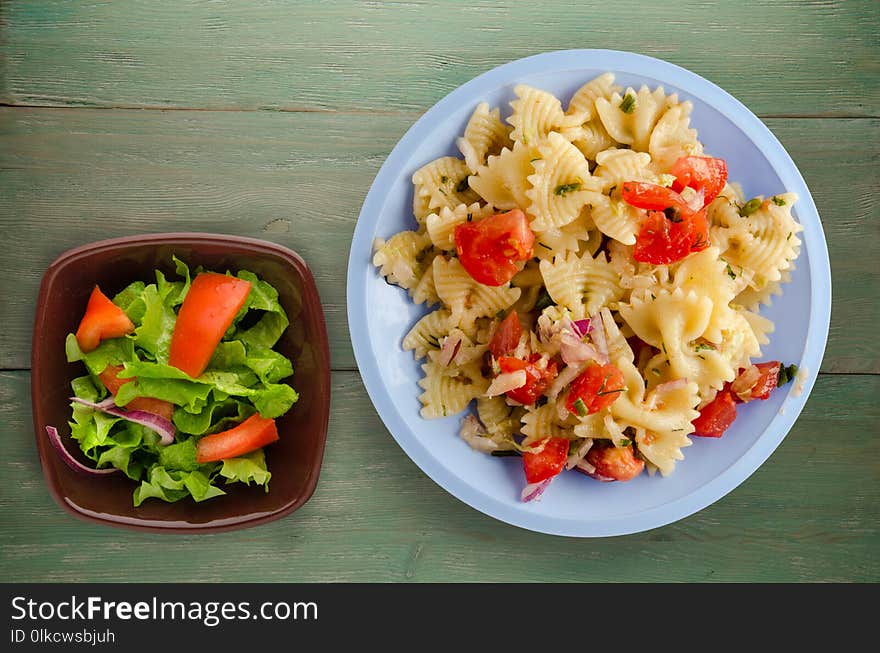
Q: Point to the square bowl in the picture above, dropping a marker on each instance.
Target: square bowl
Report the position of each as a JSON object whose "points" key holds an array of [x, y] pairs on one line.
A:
{"points": [[294, 460]]}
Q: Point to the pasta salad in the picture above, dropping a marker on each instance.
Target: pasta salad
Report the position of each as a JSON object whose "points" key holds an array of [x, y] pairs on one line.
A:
{"points": [[594, 283]]}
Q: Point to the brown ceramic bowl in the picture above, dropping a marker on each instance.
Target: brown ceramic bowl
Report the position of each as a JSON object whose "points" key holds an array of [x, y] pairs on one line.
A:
{"points": [[295, 460]]}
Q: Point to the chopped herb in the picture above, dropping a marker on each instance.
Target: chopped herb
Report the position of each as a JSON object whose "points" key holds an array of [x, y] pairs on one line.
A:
{"points": [[655, 371], [700, 242], [786, 374], [506, 452], [462, 185], [788, 237], [544, 246], [581, 408], [537, 158], [663, 347], [778, 201], [500, 314], [730, 272], [470, 217], [443, 179], [544, 300], [700, 346], [540, 401], [628, 104], [701, 357], [672, 214], [432, 339], [564, 189], [612, 189], [602, 391], [624, 442], [750, 207], [653, 296]]}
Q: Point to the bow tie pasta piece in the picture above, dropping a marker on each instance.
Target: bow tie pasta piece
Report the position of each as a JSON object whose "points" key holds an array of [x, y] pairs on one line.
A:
{"points": [[536, 114], [442, 182], [631, 118], [504, 180], [448, 389], [544, 421], [485, 134], [582, 284], [614, 217], [590, 138], [406, 259], [673, 138], [467, 299], [582, 106], [560, 185], [425, 334], [706, 274], [615, 167], [559, 242]]}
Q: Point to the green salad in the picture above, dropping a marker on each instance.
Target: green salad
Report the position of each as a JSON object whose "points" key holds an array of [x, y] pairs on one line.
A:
{"points": [[182, 384]]}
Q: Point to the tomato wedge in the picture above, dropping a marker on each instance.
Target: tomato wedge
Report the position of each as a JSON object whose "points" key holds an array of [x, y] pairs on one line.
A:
{"points": [[702, 173], [255, 432], [716, 417], [103, 319], [207, 312], [671, 229], [506, 337], [614, 463], [596, 388], [537, 378], [490, 248], [110, 378], [548, 462]]}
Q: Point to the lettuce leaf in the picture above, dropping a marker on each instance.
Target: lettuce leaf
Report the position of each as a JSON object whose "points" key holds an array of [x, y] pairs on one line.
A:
{"points": [[247, 468], [175, 485]]}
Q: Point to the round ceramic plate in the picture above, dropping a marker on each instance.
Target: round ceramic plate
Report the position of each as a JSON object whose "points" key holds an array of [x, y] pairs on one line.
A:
{"points": [[380, 314]]}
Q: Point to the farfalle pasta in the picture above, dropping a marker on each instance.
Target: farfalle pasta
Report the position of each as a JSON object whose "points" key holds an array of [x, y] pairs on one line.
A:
{"points": [[592, 283]]}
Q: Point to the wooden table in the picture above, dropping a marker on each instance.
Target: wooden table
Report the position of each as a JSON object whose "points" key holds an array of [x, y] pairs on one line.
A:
{"points": [[270, 119]]}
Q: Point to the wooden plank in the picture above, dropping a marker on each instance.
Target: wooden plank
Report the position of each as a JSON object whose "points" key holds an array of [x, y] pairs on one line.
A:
{"points": [[810, 513], [71, 176], [793, 57]]}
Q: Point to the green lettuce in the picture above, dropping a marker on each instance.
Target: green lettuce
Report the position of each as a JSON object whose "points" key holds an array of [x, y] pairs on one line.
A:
{"points": [[245, 375]]}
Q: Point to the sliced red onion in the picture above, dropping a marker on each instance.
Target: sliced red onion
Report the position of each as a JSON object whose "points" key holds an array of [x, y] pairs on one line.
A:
{"points": [[582, 327], [473, 432], [152, 421], [533, 490], [449, 350], [598, 336], [67, 457], [586, 468], [574, 350], [507, 381]]}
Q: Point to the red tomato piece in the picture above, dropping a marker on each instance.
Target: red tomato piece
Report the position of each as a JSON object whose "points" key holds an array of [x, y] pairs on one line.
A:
{"points": [[702, 173], [671, 229], [615, 463], [548, 462], [207, 312], [767, 381], [537, 377], [506, 336], [490, 248], [103, 319], [716, 417], [255, 432], [110, 378], [596, 388]]}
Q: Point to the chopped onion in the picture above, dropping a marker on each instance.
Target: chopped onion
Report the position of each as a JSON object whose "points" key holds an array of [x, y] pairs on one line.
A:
{"points": [[67, 457], [582, 327], [450, 348], [562, 411], [473, 432], [152, 421], [586, 468], [743, 384], [694, 199], [533, 490], [507, 381], [578, 456], [574, 350], [598, 335]]}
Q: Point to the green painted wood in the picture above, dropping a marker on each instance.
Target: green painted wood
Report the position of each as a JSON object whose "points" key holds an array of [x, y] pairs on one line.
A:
{"points": [[68, 177], [794, 57], [810, 513]]}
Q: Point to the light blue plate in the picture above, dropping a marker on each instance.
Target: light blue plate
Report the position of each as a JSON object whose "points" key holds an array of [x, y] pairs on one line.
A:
{"points": [[379, 314]]}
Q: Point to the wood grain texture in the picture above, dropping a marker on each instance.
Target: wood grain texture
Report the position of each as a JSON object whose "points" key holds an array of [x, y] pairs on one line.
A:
{"points": [[794, 57], [376, 518], [299, 179]]}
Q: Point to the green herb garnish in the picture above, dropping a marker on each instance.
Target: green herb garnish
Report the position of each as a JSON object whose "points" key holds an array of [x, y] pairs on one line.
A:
{"points": [[625, 442], [778, 201], [786, 374], [730, 272], [564, 189], [750, 207], [443, 179], [628, 104], [581, 408]]}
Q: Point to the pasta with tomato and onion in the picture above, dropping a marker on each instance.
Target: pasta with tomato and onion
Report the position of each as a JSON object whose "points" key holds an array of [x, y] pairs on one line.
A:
{"points": [[594, 281]]}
